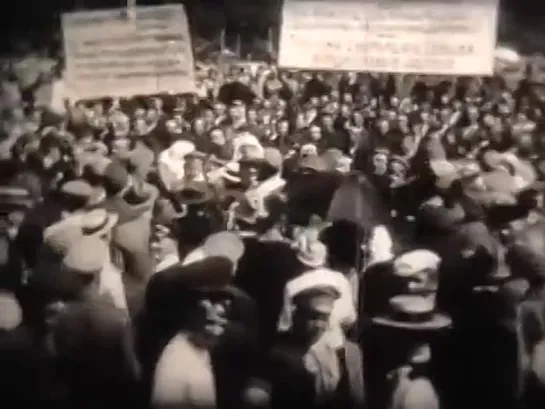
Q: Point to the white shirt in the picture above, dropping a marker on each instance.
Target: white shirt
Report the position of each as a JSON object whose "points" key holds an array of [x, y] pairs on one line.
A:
{"points": [[183, 377], [111, 283], [170, 260]]}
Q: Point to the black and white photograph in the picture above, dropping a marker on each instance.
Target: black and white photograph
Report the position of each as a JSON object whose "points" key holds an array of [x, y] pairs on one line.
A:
{"points": [[272, 204]]}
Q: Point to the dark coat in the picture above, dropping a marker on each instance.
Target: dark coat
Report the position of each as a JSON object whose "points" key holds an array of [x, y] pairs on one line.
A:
{"points": [[310, 194], [293, 386], [263, 271], [531, 339], [95, 354], [26, 375]]}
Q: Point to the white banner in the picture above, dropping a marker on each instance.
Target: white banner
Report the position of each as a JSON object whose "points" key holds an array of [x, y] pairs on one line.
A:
{"points": [[449, 37], [109, 53]]}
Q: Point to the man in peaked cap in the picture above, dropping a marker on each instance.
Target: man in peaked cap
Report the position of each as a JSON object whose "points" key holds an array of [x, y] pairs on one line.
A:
{"points": [[306, 382], [211, 325], [343, 315]]}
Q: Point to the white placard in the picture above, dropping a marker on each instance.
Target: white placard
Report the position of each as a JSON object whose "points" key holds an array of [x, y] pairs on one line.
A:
{"points": [[449, 37], [109, 53]]}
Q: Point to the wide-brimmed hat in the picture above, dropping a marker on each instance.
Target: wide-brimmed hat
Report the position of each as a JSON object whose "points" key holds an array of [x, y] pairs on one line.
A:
{"points": [[98, 222], [14, 198], [141, 195], [413, 306], [77, 188], [78, 266], [413, 312], [222, 244], [435, 214], [312, 163], [312, 254], [194, 193], [86, 256], [209, 275], [60, 235], [267, 162]]}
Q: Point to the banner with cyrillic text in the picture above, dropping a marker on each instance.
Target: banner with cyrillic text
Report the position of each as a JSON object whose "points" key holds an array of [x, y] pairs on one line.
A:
{"points": [[113, 53], [449, 37]]}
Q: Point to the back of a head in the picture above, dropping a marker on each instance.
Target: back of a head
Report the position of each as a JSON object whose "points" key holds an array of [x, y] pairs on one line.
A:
{"points": [[116, 178]]}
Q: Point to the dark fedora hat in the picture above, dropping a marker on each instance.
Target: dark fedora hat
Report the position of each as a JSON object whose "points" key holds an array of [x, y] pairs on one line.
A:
{"points": [[194, 193]]}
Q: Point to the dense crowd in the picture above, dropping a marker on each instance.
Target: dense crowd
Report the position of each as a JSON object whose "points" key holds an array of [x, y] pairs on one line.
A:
{"points": [[327, 240]]}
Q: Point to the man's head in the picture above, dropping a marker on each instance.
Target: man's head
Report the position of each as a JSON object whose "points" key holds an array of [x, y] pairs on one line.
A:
{"points": [[313, 308]]}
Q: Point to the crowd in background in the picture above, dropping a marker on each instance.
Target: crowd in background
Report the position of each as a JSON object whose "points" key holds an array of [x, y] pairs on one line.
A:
{"points": [[346, 240]]}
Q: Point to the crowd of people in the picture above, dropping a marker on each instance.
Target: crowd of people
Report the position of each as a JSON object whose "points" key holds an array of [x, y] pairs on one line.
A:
{"points": [[327, 240]]}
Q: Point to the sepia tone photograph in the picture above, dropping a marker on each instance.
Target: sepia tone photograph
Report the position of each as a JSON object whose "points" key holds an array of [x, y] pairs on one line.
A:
{"points": [[267, 204]]}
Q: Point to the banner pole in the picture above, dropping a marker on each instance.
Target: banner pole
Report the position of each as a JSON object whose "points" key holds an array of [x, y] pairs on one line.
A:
{"points": [[238, 47], [222, 50], [270, 46], [131, 9]]}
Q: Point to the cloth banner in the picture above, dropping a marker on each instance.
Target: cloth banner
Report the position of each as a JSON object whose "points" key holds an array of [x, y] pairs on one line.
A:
{"points": [[449, 37], [111, 53]]}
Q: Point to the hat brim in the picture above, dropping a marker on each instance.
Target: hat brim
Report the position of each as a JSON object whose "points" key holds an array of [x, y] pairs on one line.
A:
{"points": [[148, 196], [436, 322], [311, 263], [111, 221], [201, 196], [260, 164]]}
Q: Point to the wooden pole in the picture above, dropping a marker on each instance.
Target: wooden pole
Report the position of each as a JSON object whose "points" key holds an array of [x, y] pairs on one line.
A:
{"points": [[222, 50], [270, 46], [131, 9], [238, 47]]}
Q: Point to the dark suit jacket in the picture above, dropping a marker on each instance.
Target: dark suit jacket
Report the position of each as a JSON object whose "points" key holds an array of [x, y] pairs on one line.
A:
{"points": [[531, 332], [22, 368], [293, 385], [95, 354]]}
